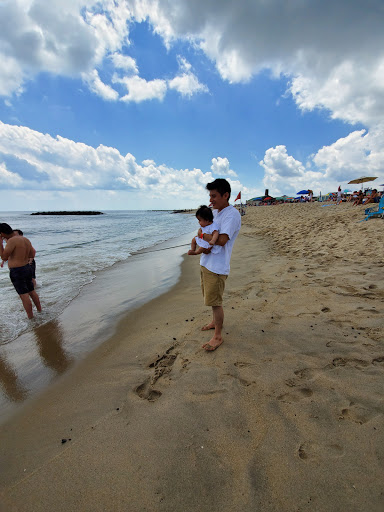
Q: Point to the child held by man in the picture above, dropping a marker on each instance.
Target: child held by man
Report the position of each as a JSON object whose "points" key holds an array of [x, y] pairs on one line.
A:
{"points": [[205, 217]]}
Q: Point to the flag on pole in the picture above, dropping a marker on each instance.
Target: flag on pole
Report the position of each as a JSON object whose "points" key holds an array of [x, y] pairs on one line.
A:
{"points": [[238, 196]]}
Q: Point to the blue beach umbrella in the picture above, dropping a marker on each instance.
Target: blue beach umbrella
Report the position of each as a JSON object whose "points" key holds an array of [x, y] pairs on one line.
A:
{"points": [[303, 192]]}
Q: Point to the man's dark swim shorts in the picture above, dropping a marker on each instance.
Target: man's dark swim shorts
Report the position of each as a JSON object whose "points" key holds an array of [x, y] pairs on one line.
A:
{"points": [[33, 266], [21, 278]]}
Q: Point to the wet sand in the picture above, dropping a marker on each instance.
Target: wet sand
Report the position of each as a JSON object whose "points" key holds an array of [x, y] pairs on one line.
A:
{"points": [[46, 352], [287, 415]]}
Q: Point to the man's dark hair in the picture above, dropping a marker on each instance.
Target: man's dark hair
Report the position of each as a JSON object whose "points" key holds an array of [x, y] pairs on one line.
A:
{"points": [[205, 213], [221, 185], [5, 228], [20, 232]]}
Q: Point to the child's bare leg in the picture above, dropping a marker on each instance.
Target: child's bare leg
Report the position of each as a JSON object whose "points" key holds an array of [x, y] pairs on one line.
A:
{"points": [[196, 252]]}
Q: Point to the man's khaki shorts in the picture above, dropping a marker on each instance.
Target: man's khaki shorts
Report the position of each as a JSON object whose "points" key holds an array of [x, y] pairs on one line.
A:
{"points": [[212, 286]]}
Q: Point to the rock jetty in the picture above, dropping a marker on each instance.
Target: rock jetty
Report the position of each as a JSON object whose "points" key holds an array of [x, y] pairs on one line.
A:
{"points": [[68, 213]]}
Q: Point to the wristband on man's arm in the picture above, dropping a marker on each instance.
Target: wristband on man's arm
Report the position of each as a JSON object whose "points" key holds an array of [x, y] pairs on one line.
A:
{"points": [[202, 236]]}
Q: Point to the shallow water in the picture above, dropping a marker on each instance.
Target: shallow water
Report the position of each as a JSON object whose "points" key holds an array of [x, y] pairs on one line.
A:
{"points": [[71, 250], [46, 351]]}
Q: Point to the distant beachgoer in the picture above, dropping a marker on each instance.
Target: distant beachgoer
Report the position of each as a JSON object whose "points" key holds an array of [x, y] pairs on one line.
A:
{"points": [[359, 199], [373, 198], [310, 192], [215, 266], [32, 261], [18, 252], [338, 201], [205, 217]]}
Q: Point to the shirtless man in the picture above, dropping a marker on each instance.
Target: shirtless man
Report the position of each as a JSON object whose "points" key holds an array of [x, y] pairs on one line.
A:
{"points": [[17, 252]]}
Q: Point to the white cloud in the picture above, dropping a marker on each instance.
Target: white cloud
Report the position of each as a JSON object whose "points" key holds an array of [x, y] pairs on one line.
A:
{"points": [[8, 178], [333, 51], [220, 167], [140, 89], [125, 62], [358, 154], [187, 84], [62, 164], [95, 84]]}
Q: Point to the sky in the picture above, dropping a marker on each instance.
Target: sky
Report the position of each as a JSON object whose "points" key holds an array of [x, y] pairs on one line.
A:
{"points": [[138, 104]]}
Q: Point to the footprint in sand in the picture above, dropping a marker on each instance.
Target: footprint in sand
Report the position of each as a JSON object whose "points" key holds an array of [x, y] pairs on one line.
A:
{"points": [[359, 364], [357, 413], [162, 365], [315, 451], [305, 373], [296, 395], [241, 364], [146, 392]]}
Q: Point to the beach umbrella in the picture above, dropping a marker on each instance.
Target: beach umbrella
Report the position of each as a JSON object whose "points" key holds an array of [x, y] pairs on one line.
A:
{"points": [[303, 192], [363, 179]]}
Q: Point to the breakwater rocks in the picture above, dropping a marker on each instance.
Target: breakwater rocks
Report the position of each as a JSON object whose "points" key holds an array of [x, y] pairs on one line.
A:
{"points": [[67, 213]]}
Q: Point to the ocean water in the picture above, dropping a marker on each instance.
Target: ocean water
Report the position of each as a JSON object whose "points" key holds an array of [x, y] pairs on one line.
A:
{"points": [[73, 250]]}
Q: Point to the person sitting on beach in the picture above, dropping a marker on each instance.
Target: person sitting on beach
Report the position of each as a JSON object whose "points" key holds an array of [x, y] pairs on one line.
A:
{"points": [[359, 199], [18, 252], [215, 266], [373, 198], [205, 217]]}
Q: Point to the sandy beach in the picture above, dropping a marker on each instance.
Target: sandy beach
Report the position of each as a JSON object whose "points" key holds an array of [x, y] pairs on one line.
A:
{"points": [[287, 415]]}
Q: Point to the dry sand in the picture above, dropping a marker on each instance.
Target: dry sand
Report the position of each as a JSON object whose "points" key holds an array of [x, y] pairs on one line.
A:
{"points": [[287, 415]]}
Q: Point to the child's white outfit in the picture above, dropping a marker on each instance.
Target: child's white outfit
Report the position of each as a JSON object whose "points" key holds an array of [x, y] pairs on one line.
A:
{"points": [[209, 230]]}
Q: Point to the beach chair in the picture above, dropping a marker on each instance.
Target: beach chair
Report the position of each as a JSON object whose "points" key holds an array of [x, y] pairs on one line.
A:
{"points": [[375, 211]]}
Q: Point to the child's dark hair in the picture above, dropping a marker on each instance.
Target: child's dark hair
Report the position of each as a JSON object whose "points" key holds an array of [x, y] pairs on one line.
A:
{"points": [[204, 212], [20, 232]]}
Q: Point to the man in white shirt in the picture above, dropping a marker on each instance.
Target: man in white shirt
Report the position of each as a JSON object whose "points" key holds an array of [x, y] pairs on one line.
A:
{"points": [[214, 267]]}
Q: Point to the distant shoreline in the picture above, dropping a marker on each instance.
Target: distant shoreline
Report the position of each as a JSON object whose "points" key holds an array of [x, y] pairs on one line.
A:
{"points": [[185, 211], [68, 213]]}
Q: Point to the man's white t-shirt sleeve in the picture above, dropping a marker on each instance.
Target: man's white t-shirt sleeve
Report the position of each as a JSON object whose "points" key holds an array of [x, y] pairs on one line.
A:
{"points": [[228, 227]]}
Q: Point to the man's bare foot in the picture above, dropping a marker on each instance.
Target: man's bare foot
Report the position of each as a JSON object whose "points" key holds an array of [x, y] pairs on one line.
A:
{"points": [[213, 344], [208, 327]]}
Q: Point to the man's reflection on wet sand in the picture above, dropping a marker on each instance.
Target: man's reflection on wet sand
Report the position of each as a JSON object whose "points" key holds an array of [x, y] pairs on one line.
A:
{"points": [[49, 340], [12, 387]]}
